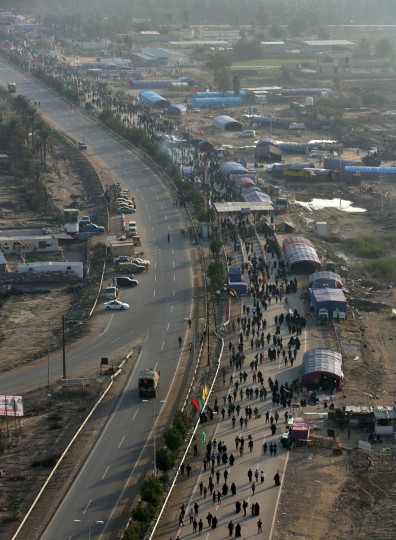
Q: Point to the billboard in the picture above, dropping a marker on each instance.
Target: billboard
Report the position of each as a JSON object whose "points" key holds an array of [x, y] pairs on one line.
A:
{"points": [[11, 406]]}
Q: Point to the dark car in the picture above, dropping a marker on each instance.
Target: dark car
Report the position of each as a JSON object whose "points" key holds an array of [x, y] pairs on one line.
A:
{"points": [[123, 281], [92, 228], [137, 268]]}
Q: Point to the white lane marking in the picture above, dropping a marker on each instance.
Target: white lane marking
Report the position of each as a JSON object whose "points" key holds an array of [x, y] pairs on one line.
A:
{"points": [[162, 206], [174, 277], [154, 239], [115, 340], [157, 197], [152, 228], [106, 471], [155, 263], [149, 217], [174, 292], [122, 440], [154, 292], [86, 508], [155, 278], [173, 264], [163, 345], [167, 328], [172, 306], [173, 251]]}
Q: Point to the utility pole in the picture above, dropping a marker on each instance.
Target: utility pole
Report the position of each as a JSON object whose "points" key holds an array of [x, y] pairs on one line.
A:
{"points": [[63, 347]]}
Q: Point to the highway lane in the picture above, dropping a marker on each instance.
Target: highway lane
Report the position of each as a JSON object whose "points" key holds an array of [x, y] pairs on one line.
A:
{"points": [[159, 307]]}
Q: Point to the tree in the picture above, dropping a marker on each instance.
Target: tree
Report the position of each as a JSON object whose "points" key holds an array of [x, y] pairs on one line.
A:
{"points": [[151, 490], [165, 459], [364, 45], [236, 84], [383, 48], [219, 64]]}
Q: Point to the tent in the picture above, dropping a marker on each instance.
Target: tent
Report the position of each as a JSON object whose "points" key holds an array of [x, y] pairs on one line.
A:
{"points": [[322, 368], [298, 251], [332, 300], [324, 279]]}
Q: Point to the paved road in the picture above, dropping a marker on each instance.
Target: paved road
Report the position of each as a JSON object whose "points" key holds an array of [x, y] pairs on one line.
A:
{"points": [[159, 307], [266, 494]]}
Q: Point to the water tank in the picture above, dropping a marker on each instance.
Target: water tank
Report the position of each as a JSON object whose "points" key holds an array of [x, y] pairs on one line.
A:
{"points": [[309, 101]]}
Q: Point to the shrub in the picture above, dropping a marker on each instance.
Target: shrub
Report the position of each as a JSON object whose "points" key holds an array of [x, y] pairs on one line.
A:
{"points": [[151, 490], [365, 246], [173, 438], [165, 459], [384, 268], [143, 513]]}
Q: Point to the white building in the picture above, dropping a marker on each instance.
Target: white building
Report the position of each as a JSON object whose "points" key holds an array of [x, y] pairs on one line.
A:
{"points": [[53, 266]]}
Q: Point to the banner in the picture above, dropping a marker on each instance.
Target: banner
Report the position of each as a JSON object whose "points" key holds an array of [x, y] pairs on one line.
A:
{"points": [[11, 406]]}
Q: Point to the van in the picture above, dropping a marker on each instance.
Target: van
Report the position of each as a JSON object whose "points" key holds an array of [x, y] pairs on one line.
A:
{"points": [[247, 133], [111, 293]]}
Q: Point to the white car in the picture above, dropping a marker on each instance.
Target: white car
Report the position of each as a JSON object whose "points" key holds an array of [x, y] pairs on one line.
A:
{"points": [[115, 304], [142, 262]]}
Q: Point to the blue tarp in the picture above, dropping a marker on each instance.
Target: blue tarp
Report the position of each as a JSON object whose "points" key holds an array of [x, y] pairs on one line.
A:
{"points": [[232, 167], [371, 170], [324, 279]]}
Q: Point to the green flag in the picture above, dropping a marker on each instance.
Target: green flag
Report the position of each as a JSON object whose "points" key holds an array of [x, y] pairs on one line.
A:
{"points": [[203, 435]]}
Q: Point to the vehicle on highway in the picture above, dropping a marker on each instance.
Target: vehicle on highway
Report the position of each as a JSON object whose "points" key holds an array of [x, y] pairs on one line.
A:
{"points": [[148, 383], [131, 267], [116, 304], [11, 87], [142, 262], [92, 228], [82, 146], [126, 210], [123, 281], [121, 258]]}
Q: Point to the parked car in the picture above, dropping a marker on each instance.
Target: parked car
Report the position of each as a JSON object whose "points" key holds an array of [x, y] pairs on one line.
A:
{"points": [[125, 210], [247, 133], [142, 262], [121, 258], [123, 281], [84, 220], [111, 292], [131, 267], [116, 304], [92, 228], [82, 146]]}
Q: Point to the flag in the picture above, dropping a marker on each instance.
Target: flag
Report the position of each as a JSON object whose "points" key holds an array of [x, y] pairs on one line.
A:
{"points": [[205, 392], [233, 294], [200, 404], [203, 435], [195, 402]]}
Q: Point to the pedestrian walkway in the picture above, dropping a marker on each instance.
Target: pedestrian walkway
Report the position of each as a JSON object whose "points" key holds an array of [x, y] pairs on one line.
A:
{"points": [[259, 497]]}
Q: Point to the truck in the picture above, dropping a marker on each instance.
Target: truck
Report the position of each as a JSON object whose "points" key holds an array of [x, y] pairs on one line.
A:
{"points": [[148, 383], [11, 87]]}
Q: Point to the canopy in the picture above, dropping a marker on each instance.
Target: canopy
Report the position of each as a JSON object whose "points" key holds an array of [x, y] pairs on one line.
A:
{"points": [[298, 250], [321, 363]]}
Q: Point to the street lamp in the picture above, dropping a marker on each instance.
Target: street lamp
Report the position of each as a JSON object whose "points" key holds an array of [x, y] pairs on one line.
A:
{"points": [[154, 433], [48, 323], [89, 525]]}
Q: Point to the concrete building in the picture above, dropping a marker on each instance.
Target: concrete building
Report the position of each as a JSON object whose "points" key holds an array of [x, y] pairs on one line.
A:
{"points": [[23, 242], [76, 268]]}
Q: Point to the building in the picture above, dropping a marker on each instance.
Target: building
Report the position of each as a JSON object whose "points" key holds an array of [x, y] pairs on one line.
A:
{"points": [[76, 268], [329, 303], [121, 247], [176, 110], [334, 63], [327, 46], [20, 243], [274, 48]]}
